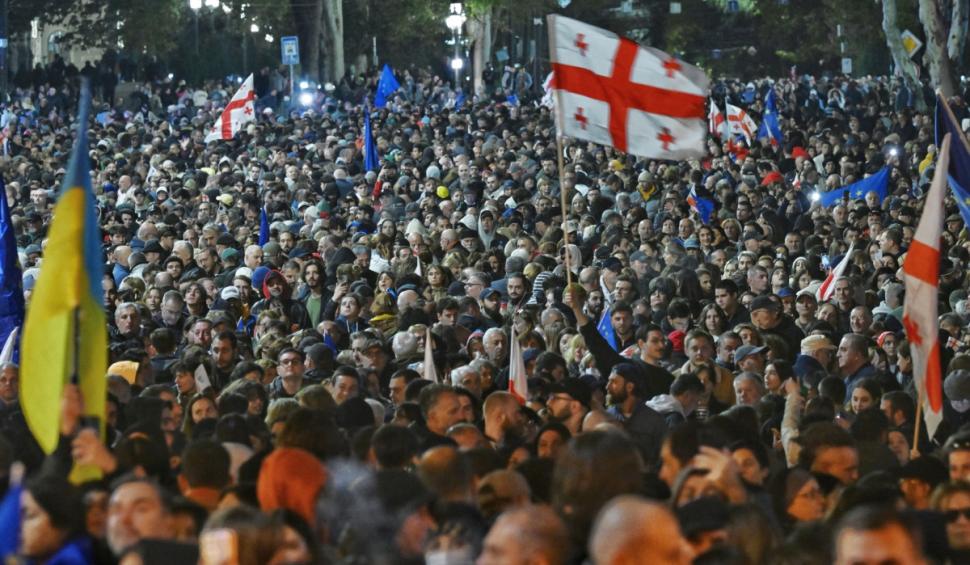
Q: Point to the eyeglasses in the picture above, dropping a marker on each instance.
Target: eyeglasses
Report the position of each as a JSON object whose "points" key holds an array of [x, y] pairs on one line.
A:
{"points": [[954, 515], [567, 398], [290, 361]]}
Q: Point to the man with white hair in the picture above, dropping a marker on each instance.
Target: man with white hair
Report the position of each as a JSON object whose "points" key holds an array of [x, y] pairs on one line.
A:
{"points": [[253, 257], [404, 345], [467, 377]]}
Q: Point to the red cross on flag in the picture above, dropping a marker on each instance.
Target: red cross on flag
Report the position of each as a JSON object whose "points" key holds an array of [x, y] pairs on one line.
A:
{"points": [[741, 123], [238, 112], [610, 90], [921, 272]]}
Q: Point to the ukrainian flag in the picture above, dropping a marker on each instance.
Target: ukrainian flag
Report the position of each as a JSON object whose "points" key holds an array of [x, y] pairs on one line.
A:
{"points": [[65, 335]]}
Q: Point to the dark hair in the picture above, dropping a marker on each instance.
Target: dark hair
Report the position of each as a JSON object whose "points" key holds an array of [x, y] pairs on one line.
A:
{"points": [[869, 425], [205, 463], [594, 468], [687, 382], [394, 446], [818, 436], [286, 350], [871, 517], [833, 389], [430, 394], [60, 500], [314, 431], [899, 400]]}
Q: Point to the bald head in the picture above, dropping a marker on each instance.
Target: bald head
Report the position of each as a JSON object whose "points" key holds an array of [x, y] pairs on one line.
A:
{"points": [[447, 473], [527, 535], [630, 525]]}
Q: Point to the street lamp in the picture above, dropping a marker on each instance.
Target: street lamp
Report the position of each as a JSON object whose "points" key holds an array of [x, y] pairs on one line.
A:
{"points": [[455, 20], [195, 6]]}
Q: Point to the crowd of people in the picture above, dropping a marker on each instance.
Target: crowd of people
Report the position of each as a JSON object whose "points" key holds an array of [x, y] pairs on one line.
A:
{"points": [[690, 399]]}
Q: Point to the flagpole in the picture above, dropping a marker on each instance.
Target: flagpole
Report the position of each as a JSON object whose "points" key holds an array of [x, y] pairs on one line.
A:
{"points": [[562, 204], [946, 106], [919, 418]]}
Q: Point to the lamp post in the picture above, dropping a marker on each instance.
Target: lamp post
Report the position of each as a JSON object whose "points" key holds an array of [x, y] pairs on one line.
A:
{"points": [[455, 20], [196, 5]]}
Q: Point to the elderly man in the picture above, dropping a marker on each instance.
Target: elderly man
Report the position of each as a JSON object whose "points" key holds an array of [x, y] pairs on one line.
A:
{"points": [[127, 323], [749, 388]]}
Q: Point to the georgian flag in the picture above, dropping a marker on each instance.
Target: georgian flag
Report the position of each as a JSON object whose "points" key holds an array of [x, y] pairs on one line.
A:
{"points": [[827, 288], [741, 123], [715, 121], [611, 91], [921, 272], [238, 112], [518, 380]]}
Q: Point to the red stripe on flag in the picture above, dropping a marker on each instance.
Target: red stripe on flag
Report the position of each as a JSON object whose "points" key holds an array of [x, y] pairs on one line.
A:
{"points": [[923, 263], [227, 117], [933, 380], [622, 94]]}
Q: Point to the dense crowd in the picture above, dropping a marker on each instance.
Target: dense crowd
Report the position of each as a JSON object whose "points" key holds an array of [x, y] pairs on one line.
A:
{"points": [[689, 397]]}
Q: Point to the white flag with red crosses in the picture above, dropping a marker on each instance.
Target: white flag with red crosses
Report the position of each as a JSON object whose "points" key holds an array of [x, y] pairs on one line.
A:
{"points": [[921, 274], [610, 90], [238, 112]]}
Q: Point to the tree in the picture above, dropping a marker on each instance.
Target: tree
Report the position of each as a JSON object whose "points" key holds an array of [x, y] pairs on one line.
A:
{"points": [[332, 36], [944, 39], [902, 60]]}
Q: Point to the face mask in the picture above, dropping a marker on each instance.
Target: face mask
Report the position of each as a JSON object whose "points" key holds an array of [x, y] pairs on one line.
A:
{"points": [[457, 556], [960, 406]]}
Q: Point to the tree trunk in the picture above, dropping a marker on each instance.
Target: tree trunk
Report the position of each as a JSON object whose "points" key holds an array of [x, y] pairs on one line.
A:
{"points": [[894, 40], [306, 18], [936, 58], [958, 31], [333, 27], [480, 32]]}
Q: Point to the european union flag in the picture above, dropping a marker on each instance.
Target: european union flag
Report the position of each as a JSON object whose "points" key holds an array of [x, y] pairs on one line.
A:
{"points": [[878, 183], [371, 161], [11, 278], [263, 227], [10, 518], [386, 86], [769, 123], [512, 99], [605, 328], [459, 100], [959, 173]]}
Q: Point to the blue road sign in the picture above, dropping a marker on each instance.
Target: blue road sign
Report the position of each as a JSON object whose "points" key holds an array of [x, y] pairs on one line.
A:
{"points": [[290, 49]]}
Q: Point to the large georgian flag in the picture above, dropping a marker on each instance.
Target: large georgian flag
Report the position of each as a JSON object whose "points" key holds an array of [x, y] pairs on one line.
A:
{"points": [[610, 90], [238, 112], [921, 272]]}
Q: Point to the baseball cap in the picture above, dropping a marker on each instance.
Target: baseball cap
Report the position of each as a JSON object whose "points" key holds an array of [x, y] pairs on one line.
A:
{"points": [[229, 292], [816, 342], [764, 303], [925, 468], [487, 293], [746, 351], [575, 389]]}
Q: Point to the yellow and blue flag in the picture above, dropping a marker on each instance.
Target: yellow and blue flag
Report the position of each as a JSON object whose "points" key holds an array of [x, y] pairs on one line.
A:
{"points": [[11, 278], [65, 337]]}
